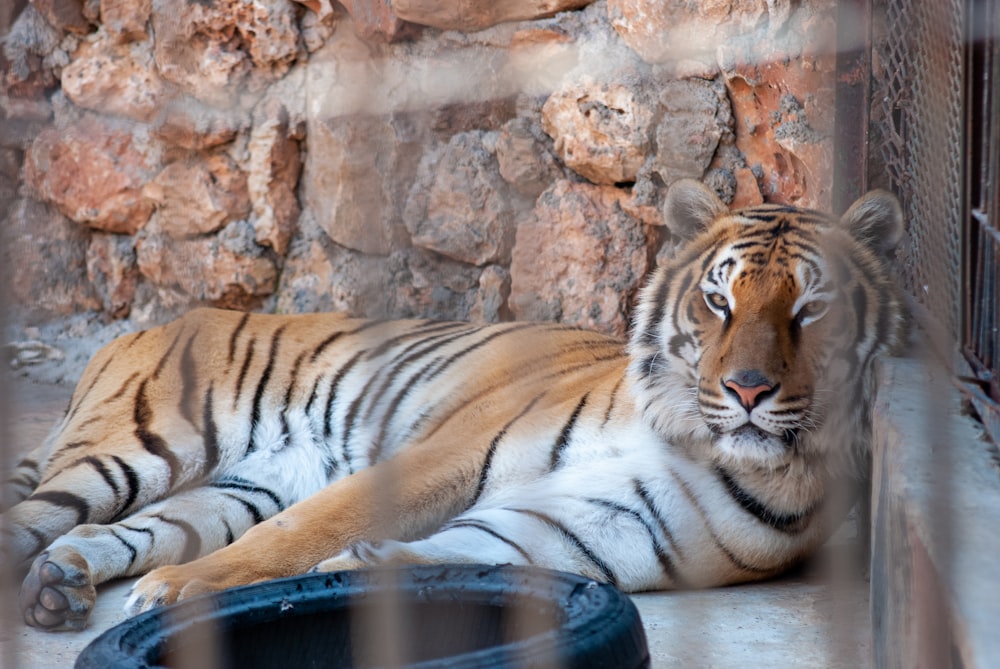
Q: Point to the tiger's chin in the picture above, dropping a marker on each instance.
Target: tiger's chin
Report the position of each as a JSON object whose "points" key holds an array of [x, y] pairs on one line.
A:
{"points": [[753, 446]]}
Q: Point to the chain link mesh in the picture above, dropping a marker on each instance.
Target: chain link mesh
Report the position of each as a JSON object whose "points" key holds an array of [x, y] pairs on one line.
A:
{"points": [[917, 141]]}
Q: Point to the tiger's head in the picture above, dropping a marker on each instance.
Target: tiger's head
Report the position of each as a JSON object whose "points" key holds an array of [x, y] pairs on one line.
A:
{"points": [[757, 339]]}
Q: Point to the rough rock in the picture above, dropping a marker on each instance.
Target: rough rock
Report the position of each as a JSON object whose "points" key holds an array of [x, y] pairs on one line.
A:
{"points": [[355, 180], [272, 176], [112, 271], [429, 286], [695, 117], [115, 78], [459, 205], [93, 171], [320, 275], [785, 130], [525, 157], [601, 130], [377, 20], [217, 51], [44, 256], [490, 305], [192, 125], [578, 259], [126, 20], [63, 15], [227, 269], [199, 195], [687, 34], [473, 15]]}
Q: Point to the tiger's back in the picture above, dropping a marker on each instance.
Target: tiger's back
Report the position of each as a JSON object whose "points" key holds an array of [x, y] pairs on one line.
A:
{"points": [[704, 453]]}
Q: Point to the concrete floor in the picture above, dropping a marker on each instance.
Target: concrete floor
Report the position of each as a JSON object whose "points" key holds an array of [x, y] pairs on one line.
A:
{"points": [[802, 620]]}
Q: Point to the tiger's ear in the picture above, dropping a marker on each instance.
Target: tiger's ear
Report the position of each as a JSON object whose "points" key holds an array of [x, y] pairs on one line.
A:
{"points": [[876, 220], [690, 207]]}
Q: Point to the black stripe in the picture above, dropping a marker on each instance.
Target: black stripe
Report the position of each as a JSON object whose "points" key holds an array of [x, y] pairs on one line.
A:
{"points": [[246, 486], [265, 377], [192, 540], [585, 550], [163, 359], [332, 396], [611, 402], [250, 507], [337, 335], [482, 527], [83, 395], [133, 553], [291, 384], [235, 336], [693, 500], [189, 378], [152, 442], [422, 331], [666, 563], [210, 430], [65, 500], [564, 436], [27, 463], [647, 500], [790, 523], [488, 460], [101, 469], [436, 367], [131, 479], [244, 368], [121, 390]]}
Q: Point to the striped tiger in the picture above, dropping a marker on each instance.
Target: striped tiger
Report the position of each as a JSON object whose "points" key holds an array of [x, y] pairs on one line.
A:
{"points": [[228, 448]]}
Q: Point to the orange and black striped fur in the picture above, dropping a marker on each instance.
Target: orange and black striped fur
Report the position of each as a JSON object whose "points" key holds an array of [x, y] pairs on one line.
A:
{"points": [[704, 451]]}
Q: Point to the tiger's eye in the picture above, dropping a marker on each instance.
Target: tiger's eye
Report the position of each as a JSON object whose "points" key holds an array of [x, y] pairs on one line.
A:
{"points": [[813, 308], [718, 300]]}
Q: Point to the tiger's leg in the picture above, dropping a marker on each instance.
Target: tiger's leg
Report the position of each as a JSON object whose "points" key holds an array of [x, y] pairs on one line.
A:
{"points": [[608, 542], [405, 496], [59, 590], [22, 479]]}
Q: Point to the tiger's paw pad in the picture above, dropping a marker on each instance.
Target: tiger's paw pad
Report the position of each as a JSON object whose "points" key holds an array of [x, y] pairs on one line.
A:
{"points": [[58, 593]]}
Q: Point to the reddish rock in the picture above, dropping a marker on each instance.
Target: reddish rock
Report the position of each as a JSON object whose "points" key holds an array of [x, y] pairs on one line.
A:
{"points": [[126, 20], [460, 206], [355, 180], [115, 78], [93, 172], [687, 34], [189, 124], [376, 20], [227, 269], [319, 275], [199, 195], [490, 305], [44, 258], [64, 15], [525, 157], [601, 131], [273, 171], [747, 189], [215, 51], [112, 271], [578, 259], [473, 15], [695, 117]]}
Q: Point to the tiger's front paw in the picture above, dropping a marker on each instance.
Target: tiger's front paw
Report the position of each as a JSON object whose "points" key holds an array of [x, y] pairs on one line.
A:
{"points": [[166, 585], [58, 593]]}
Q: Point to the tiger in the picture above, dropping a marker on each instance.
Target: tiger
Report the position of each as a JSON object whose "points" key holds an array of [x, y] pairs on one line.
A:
{"points": [[707, 448]]}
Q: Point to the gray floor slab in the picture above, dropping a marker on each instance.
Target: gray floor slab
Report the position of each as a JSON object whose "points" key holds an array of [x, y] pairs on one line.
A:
{"points": [[803, 620]]}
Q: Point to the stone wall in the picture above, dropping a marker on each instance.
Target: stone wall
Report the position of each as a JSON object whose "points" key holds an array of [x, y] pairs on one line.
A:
{"points": [[479, 160]]}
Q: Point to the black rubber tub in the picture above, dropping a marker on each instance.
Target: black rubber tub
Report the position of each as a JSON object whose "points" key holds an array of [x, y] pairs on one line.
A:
{"points": [[425, 616]]}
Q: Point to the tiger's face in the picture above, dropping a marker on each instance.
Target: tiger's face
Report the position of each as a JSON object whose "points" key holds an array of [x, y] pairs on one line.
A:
{"points": [[758, 337]]}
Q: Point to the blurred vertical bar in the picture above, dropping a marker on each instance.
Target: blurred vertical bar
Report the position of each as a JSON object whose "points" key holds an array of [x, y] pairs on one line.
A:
{"points": [[8, 593]]}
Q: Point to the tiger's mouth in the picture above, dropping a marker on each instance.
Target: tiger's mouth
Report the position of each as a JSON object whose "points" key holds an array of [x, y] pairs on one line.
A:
{"points": [[750, 443]]}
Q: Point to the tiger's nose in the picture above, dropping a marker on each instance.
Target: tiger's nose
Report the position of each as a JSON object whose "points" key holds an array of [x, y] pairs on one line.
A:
{"points": [[750, 387]]}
